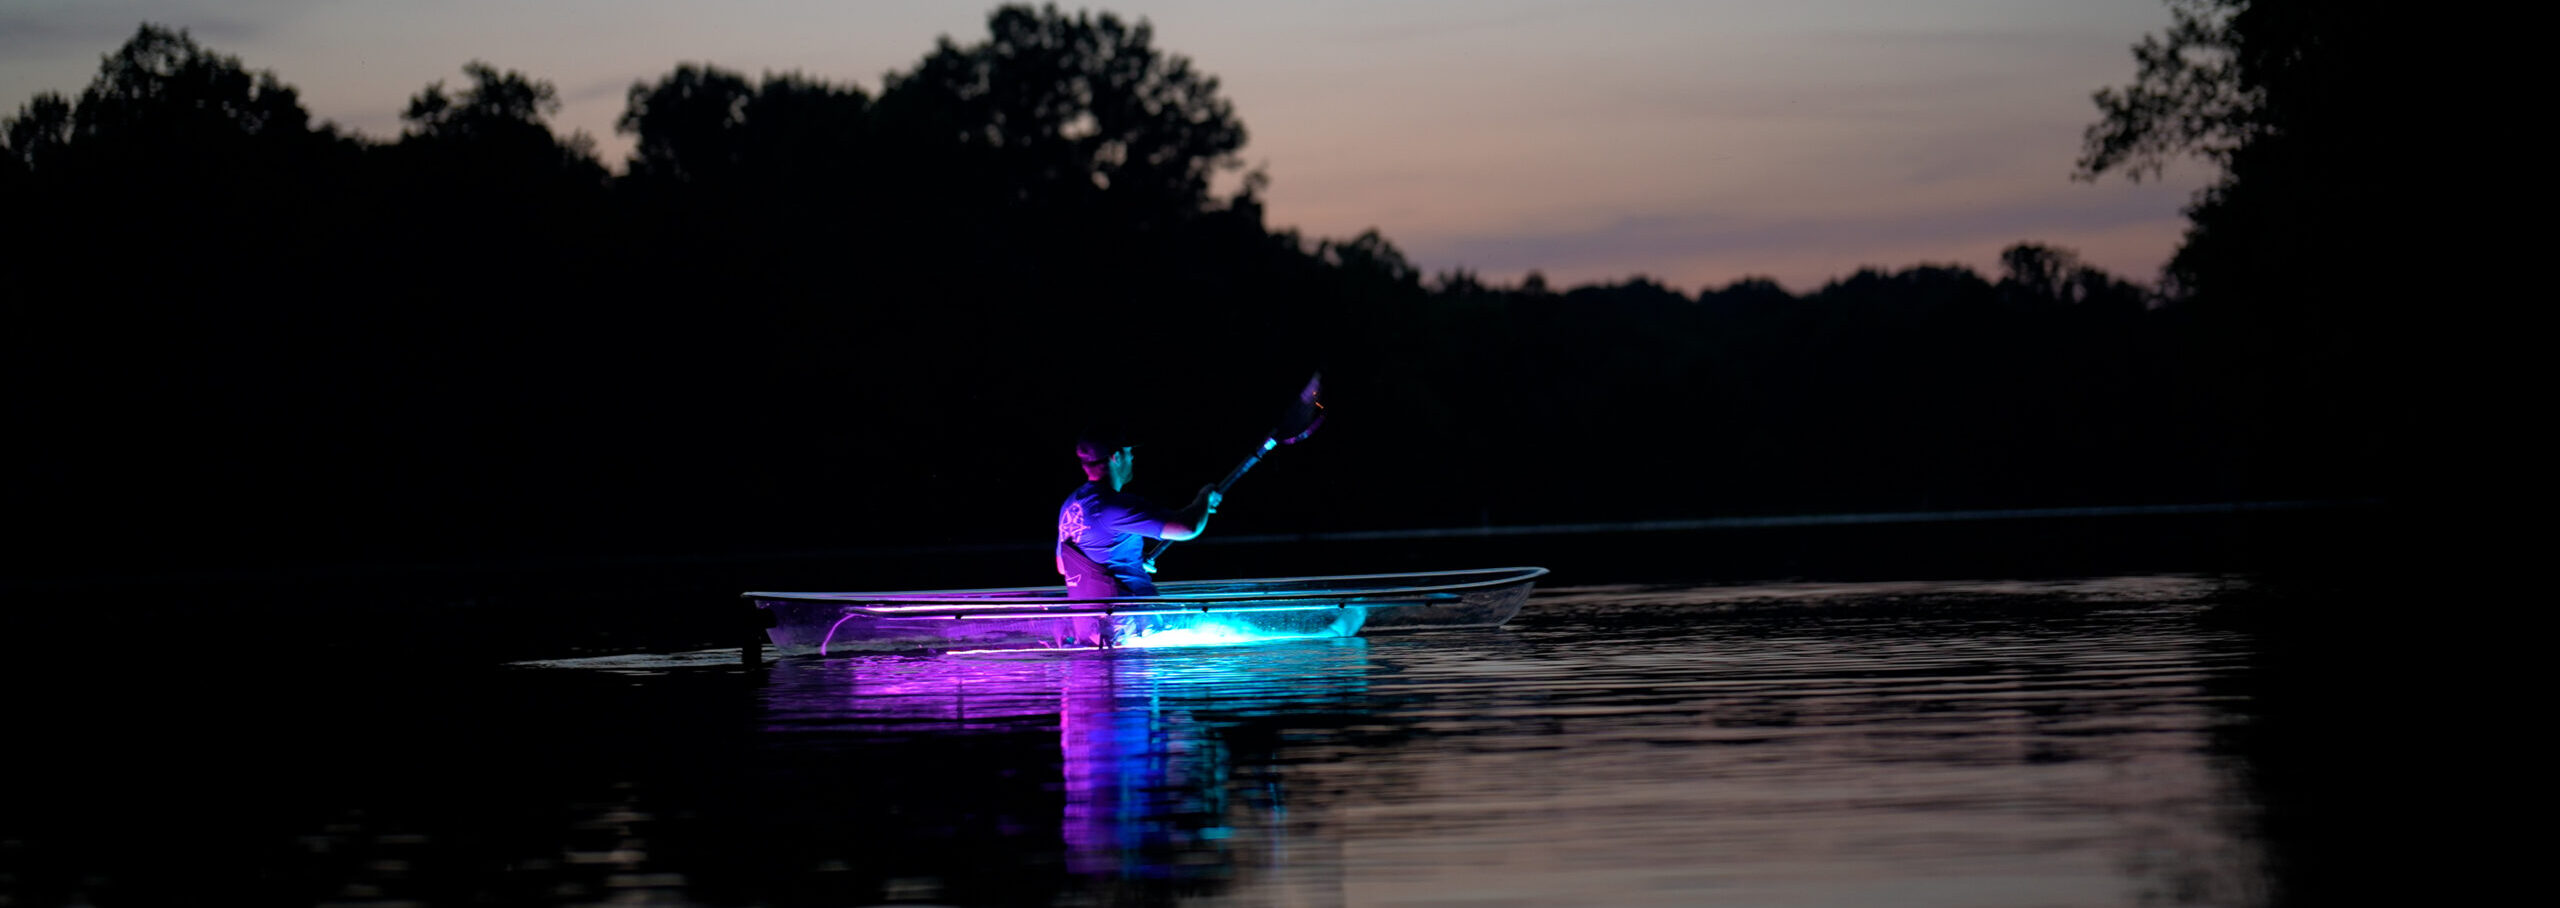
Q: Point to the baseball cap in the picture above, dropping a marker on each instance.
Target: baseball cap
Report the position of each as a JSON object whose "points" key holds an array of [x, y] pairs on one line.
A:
{"points": [[1097, 442]]}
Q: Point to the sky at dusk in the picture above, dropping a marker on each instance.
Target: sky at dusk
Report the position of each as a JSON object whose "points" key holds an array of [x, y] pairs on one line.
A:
{"points": [[1692, 141]]}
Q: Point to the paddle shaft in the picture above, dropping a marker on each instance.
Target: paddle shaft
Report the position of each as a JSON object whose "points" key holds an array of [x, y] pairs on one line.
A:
{"points": [[1238, 472], [1232, 476], [1300, 423]]}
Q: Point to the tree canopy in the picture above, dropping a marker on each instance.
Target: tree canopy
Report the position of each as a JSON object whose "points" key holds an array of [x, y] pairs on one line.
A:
{"points": [[1074, 109], [2323, 226], [802, 306]]}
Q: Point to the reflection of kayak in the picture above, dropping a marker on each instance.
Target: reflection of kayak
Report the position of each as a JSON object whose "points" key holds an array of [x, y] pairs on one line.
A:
{"points": [[1185, 612]]}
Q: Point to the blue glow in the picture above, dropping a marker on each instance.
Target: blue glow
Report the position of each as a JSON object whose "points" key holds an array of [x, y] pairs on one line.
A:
{"points": [[1217, 635], [1237, 627]]}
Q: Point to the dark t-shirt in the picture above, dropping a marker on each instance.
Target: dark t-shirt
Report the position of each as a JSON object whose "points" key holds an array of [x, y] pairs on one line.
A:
{"points": [[1112, 529]]}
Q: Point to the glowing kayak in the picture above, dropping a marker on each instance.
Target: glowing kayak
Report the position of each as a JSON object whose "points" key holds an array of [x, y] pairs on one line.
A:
{"points": [[1185, 613]]}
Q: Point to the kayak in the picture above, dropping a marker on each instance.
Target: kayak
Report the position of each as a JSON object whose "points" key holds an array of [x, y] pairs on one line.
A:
{"points": [[1183, 613]]}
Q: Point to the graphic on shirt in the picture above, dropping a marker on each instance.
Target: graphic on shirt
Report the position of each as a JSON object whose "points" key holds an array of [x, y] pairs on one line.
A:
{"points": [[1070, 526], [1071, 521]]}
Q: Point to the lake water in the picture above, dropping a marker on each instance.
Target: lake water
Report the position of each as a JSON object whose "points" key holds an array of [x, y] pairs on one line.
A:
{"points": [[2096, 741]]}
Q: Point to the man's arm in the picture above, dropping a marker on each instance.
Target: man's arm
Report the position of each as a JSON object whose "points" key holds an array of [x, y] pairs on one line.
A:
{"points": [[1193, 519]]}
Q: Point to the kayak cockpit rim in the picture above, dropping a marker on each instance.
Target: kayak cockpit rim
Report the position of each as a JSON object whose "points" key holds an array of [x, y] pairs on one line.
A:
{"points": [[1332, 584], [1342, 589], [1182, 613]]}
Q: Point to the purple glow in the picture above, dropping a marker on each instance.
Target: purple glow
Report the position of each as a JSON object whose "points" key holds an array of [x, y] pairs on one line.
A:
{"points": [[1060, 649], [1146, 775], [831, 634]]}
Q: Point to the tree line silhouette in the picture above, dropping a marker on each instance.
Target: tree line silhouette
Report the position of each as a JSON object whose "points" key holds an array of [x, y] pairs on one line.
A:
{"points": [[806, 315]]}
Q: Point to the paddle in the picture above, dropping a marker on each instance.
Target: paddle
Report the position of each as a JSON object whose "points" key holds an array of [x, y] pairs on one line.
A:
{"points": [[1300, 421]]}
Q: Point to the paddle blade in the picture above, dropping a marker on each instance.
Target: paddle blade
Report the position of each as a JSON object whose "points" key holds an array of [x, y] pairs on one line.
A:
{"points": [[1303, 416]]}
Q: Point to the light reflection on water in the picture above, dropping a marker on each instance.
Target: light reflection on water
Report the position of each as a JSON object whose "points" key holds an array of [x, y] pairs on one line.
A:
{"points": [[2095, 742], [1143, 752], [1906, 744]]}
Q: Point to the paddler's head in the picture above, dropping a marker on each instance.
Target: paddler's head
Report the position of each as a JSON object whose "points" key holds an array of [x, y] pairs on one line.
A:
{"points": [[1106, 454]]}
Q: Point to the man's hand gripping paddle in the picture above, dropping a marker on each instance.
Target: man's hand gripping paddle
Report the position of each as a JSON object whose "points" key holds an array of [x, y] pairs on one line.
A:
{"points": [[1299, 422]]}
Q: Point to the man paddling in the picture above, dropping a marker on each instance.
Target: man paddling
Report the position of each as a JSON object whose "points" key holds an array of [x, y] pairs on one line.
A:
{"points": [[1103, 531]]}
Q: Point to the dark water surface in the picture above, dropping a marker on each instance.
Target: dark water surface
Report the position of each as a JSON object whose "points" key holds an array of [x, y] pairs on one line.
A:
{"points": [[2095, 741]]}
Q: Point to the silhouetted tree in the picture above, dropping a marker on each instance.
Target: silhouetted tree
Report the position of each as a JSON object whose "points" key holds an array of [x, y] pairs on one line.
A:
{"points": [[39, 132], [2313, 211], [1073, 111], [171, 139], [2039, 271], [167, 121], [2302, 251], [2189, 97], [497, 128], [2036, 274], [1459, 283], [688, 125], [705, 125], [1749, 294], [162, 86], [1370, 255]]}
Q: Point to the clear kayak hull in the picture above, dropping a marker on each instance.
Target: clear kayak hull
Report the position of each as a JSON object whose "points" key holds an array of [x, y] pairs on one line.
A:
{"points": [[1184, 613]]}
